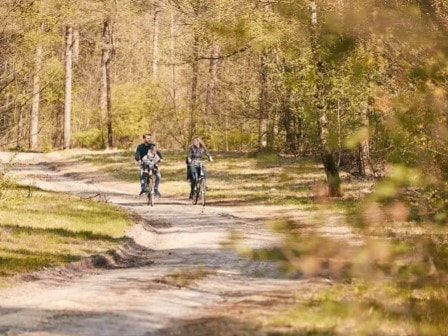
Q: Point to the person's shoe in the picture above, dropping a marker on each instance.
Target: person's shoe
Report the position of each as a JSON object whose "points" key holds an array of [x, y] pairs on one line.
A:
{"points": [[142, 192], [158, 194], [191, 197]]}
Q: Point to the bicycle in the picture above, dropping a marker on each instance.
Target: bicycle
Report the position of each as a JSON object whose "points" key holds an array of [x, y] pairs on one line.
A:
{"points": [[149, 171], [200, 187]]}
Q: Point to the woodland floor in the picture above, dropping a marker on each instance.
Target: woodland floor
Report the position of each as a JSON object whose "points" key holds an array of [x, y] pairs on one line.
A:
{"points": [[174, 275]]}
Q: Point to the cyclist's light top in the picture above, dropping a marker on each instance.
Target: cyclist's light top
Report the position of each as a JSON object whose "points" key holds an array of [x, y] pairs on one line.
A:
{"points": [[150, 159]]}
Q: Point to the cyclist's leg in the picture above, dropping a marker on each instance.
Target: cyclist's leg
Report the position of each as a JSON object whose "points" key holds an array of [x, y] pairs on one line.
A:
{"points": [[194, 178], [158, 179], [142, 179]]}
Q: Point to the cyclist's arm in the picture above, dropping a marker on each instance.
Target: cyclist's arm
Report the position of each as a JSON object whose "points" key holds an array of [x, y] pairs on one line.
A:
{"points": [[159, 154], [137, 155], [189, 155], [208, 155]]}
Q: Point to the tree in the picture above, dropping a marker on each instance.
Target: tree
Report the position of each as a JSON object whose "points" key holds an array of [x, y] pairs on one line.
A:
{"points": [[155, 40], [34, 129], [68, 87], [331, 169], [263, 102], [105, 93]]}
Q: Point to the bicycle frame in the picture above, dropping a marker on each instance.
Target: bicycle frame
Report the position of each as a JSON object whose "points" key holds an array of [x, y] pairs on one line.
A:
{"points": [[200, 186], [149, 172]]}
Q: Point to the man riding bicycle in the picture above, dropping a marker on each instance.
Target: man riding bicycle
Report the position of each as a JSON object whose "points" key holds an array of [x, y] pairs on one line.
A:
{"points": [[148, 146], [194, 159]]}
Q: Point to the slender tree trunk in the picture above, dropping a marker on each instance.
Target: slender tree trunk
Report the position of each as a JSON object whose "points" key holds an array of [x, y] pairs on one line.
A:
{"points": [[263, 102], [34, 129], [331, 169], [289, 118], [365, 168], [211, 89], [181, 137], [213, 78], [339, 132], [272, 129], [226, 133], [75, 45], [19, 134], [289, 123], [68, 87], [155, 40], [173, 58], [105, 94], [194, 85]]}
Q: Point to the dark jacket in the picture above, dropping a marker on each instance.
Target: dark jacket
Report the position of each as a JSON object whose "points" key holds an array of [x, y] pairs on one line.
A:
{"points": [[196, 153], [143, 149]]}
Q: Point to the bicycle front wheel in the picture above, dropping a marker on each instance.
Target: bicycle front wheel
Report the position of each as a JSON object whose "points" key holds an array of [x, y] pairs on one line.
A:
{"points": [[150, 193]]}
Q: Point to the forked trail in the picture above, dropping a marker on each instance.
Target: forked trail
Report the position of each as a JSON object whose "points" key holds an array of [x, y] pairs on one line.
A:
{"points": [[134, 298]]}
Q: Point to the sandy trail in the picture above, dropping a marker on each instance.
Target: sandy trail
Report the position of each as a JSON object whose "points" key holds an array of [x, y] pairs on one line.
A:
{"points": [[136, 300]]}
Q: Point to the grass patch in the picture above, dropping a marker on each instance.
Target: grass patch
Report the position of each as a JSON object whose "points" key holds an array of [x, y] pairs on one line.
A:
{"points": [[187, 277], [41, 229], [363, 309]]}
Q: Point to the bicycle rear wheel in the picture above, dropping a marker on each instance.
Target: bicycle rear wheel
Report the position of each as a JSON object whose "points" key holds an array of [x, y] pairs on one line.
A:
{"points": [[203, 190], [197, 191]]}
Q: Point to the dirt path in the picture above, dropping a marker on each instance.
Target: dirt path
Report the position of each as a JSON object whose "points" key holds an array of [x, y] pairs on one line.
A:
{"points": [[178, 242]]}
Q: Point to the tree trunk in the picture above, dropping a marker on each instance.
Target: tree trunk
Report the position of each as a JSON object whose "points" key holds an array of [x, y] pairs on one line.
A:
{"points": [[289, 124], [68, 87], [365, 168], [331, 169], [339, 132], [272, 129], [211, 90], [289, 117], [194, 85], [173, 58], [19, 134], [75, 45], [213, 78], [34, 129], [105, 93], [155, 40], [263, 102], [226, 133]]}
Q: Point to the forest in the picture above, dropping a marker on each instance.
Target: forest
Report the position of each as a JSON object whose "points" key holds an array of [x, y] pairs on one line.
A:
{"points": [[359, 83], [358, 87]]}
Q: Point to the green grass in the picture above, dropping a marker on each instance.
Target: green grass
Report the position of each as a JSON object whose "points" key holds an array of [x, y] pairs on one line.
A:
{"points": [[363, 309], [40, 229]]}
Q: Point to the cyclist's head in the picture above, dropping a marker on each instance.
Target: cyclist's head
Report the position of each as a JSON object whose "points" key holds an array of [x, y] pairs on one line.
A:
{"points": [[152, 147], [197, 142], [147, 138]]}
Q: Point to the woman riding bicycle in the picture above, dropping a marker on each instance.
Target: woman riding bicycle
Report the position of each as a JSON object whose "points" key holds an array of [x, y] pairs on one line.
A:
{"points": [[194, 160]]}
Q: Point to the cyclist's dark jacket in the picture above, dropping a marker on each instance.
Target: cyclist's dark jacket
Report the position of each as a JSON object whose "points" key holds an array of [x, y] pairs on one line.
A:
{"points": [[143, 149], [197, 153]]}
